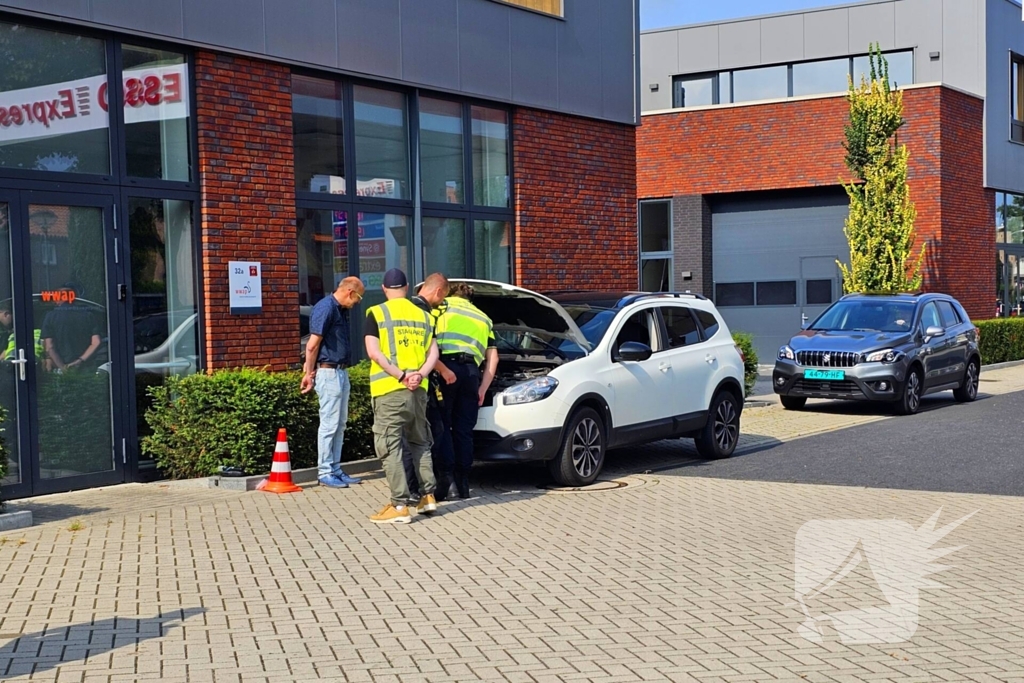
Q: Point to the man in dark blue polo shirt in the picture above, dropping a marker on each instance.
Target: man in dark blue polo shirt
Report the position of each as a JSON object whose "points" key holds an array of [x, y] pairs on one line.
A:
{"points": [[328, 355]]}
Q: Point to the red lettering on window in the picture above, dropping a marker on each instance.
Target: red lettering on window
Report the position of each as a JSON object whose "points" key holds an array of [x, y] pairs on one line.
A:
{"points": [[5, 120], [172, 87], [67, 100], [101, 96], [152, 91], [133, 92], [28, 113], [16, 117]]}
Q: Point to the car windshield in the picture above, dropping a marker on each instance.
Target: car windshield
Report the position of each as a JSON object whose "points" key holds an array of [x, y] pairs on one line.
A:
{"points": [[868, 316], [593, 321]]}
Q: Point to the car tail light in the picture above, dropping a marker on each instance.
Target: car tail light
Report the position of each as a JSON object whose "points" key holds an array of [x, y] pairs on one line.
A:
{"points": [[743, 359]]}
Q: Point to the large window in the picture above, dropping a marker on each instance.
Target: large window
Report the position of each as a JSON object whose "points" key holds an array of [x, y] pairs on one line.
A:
{"points": [[317, 124], [382, 143], [656, 246], [442, 166], [52, 113], [491, 186], [1009, 218], [819, 77], [1017, 98], [156, 113]]}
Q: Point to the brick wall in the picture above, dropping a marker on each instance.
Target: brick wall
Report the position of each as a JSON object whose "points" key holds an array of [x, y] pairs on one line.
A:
{"points": [[575, 202], [246, 169], [799, 144], [691, 246]]}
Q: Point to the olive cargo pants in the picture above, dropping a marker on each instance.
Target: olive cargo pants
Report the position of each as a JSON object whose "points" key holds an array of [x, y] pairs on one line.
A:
{"points": [[403, 414]]}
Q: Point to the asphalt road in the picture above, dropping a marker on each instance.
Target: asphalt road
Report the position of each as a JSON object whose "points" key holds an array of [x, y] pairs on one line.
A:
{"points": [[964, 448]]}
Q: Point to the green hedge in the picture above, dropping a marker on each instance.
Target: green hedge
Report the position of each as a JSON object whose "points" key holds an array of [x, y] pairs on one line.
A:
{"points": [[204, 422], [1002, 339], [746, 344]]}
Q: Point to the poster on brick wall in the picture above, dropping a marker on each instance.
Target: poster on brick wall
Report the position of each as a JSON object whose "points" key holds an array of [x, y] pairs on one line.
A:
{"points": [[245, 280]]}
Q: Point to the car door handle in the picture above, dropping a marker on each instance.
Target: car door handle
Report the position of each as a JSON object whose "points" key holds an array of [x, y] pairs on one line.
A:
{"points": [[710, 359], [664, 367]]}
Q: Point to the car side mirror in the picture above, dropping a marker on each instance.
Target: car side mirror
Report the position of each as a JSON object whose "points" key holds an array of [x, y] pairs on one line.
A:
{"points": [[633, 352], [934, 331]]}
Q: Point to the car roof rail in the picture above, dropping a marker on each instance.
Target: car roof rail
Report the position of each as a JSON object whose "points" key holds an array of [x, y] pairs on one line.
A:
{"points": [[632, 299]]}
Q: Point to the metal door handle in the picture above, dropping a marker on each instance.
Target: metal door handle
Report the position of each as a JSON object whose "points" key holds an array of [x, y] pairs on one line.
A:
{"points": [[664, 367], [20, 362], [710, 359]]}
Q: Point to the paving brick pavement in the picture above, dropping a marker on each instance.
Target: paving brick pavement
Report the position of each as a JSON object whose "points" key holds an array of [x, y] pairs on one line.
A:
{"points": [[663, 579]]}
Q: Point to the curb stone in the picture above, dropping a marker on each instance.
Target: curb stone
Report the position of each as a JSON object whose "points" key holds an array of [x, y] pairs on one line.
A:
{"points": [[301, 476], [10, 521]]}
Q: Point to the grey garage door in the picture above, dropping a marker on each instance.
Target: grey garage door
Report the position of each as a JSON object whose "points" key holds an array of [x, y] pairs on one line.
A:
{"points": [[775, 264]]}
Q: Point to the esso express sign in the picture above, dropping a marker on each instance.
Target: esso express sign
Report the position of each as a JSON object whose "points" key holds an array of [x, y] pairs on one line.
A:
{"points": [[156, 94]]}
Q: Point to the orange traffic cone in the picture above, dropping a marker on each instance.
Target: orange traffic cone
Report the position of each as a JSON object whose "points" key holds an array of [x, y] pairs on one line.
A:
{"points": [[280, 480]]}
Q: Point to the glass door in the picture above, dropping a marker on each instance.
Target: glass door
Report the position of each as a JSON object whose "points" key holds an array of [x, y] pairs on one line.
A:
{"points": [[62, 373]]}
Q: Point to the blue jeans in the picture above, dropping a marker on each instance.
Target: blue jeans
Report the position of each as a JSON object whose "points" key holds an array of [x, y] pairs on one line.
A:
{"points": [[332, 387]]}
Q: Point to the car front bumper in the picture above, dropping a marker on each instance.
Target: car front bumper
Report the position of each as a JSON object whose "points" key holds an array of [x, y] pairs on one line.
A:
{"points": [[526, 446], [862, 382]]}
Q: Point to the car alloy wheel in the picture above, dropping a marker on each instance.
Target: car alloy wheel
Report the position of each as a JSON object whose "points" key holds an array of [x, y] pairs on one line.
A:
{"points": [[726, 427], [913, 391], [586, 447], [972, 381]]}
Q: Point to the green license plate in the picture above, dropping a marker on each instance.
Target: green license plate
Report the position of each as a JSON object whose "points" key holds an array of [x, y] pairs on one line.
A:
{"points": [[826, 375]]}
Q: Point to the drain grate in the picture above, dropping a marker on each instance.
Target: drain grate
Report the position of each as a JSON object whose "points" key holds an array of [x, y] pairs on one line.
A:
{"points": [[600, 486]]}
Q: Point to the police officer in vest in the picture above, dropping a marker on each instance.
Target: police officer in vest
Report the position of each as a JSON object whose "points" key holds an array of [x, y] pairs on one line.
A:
{"points": [[465, 337], [400, 344]]}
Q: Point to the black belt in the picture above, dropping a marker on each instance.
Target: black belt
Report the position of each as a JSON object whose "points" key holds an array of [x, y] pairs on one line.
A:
{"points": [[460, 358], [333, 366]]}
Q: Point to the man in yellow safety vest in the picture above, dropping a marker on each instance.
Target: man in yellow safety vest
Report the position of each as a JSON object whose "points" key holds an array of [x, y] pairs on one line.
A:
{"points": [[465, 337], [400, 344]]}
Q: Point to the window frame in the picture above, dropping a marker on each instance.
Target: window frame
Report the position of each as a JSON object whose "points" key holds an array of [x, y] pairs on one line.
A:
{"points": [[1016, 105], [663, 255], [716, 78], [415, 207]]}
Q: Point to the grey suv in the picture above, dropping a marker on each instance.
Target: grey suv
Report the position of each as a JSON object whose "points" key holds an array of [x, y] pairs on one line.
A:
{"points": [[894, 348]]}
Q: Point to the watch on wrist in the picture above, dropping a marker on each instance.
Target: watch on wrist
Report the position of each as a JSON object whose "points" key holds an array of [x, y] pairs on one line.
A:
{"points": [[402, 378]]}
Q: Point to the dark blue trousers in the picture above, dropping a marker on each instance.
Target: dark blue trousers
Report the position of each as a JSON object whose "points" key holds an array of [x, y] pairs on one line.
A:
{"points": [[460, 407]]}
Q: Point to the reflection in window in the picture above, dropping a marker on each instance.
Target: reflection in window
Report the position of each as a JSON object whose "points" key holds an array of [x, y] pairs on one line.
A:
{"points": [[444, 246], [655, 233], [901, 68], [441, 154], [382, 143], [8, 349], [693, 91], [490, 157], [815, 78], [74, 68], [492, 242], [760, 84], [383, 244], [656, 275], [317, 125], [323, 253], [156, 111], [164, 313]]}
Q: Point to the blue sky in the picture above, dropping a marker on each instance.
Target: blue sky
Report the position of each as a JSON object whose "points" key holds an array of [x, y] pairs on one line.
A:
{"points": [[660, 13]]}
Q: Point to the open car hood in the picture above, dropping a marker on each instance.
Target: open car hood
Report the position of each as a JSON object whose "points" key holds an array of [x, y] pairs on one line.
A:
{"points": [[516, 309]]}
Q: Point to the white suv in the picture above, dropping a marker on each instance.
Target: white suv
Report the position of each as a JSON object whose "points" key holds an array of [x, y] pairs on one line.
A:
{"points": [[584, 372]]}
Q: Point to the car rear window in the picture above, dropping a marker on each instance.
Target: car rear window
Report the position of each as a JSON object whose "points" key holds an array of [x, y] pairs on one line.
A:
{"points": [[949, 315], [682, 328], [709, 322]]}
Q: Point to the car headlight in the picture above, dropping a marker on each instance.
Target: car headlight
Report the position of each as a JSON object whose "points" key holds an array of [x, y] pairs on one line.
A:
{"points": [[530, 391], [786, 353], [883, 356]]}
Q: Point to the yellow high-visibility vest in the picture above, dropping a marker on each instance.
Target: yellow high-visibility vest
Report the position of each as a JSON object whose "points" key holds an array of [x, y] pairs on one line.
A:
{"points": [[463, 328], [405, 334], [9, 352]]}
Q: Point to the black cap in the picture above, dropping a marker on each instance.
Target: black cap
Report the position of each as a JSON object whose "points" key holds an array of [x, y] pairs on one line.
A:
{"points": [[395, 279]]}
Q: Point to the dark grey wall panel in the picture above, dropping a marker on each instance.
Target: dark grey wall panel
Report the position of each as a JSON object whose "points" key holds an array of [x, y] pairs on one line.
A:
{"points": [[73, 9], [534, 59], [616, 59], [235, 24], [579, 67], [370, 37], [485, 53], [430, 42], [584, 63], [309, 36], [165, 17]]}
